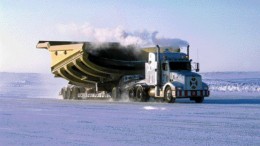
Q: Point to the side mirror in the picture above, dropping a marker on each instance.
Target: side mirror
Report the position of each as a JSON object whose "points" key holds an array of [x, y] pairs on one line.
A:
{"points": [[197, 68]]}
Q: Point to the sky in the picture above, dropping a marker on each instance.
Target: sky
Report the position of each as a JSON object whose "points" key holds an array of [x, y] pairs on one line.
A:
{"points": [[223, 35]]}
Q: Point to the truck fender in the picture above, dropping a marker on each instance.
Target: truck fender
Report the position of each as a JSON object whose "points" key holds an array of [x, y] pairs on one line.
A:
{"points": [[169, 84]]}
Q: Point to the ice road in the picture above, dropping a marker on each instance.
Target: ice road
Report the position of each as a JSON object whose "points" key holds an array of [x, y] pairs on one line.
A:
{"points": [[37, 118], [31, 121]]}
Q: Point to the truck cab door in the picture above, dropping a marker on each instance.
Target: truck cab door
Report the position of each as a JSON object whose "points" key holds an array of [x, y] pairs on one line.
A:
{"points": [[165, 72]]}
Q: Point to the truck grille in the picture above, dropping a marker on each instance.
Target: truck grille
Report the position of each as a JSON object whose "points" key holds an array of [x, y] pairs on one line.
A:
{"points": [[193, 83]]}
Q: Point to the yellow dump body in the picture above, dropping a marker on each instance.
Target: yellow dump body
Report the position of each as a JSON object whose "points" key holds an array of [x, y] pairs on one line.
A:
{"points": [[85, 63]]}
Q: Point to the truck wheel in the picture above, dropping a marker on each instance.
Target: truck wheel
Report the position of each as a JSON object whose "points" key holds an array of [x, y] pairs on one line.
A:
{"points": [[168, 95], [115, 93], [74, 93], [199, 99], [131, 93], [141, 95], [64, 93], [68, 93]]}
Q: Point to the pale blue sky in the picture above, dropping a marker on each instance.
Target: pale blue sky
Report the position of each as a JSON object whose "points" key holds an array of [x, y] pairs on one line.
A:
{"points": [[225, 33]]}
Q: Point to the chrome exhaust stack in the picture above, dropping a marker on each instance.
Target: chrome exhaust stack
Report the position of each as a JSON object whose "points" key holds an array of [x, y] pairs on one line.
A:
{"points": [[158, 72]]}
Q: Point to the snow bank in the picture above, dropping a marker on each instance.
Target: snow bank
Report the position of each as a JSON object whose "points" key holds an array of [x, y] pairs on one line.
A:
{"points": [[233, 81]]}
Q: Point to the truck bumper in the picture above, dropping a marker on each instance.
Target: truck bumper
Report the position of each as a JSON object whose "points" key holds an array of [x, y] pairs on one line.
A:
{"points": [[191, 93]]}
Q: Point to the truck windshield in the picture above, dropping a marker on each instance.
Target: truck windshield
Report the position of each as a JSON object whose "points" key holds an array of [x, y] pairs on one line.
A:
{"points": [[180, 66]]}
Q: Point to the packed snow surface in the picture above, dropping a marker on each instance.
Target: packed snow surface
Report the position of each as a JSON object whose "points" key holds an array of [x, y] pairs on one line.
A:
{"points": [[31, 114]]}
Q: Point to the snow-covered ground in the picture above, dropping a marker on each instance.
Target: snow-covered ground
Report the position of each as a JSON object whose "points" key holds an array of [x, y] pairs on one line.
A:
{"points": [[31, 114]]}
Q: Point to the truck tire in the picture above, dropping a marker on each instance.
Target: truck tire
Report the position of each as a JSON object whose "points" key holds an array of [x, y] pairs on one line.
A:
{"points": [[131, 93], [199, 99], [64, 93], [74, 93], [141, 95], [168, 95], [115, 93], [68, 93]]}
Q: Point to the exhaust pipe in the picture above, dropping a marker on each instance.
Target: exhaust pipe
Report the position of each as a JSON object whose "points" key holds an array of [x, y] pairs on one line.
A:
{"points": [[188, 51], [159, 71]]}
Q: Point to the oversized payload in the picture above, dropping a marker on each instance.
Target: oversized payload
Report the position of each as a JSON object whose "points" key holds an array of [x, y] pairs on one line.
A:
{"points": [[85, 63]]}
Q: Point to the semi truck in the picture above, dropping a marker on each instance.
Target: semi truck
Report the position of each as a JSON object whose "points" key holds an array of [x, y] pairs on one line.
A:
{"points": [[112, 71]]}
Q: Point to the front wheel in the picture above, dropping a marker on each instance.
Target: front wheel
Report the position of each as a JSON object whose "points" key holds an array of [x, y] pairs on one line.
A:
{"points": [[168, 95]]}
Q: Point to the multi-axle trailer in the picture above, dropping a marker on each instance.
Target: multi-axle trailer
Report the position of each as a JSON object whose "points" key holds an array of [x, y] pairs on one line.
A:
{"points": [[109, 70]]}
